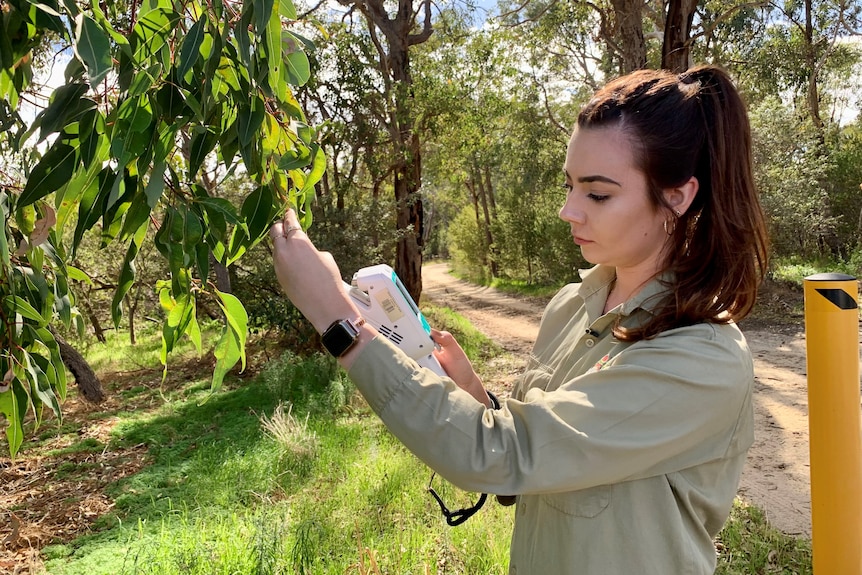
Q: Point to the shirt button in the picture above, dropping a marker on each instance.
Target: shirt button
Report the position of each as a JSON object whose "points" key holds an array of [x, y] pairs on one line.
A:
{"points": [[590, 342]]}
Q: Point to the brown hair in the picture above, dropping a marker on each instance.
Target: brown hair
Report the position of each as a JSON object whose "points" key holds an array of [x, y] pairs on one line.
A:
{"points": [[693, 124]]}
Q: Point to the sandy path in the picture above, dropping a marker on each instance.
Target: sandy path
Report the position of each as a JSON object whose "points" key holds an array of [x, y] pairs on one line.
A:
{"points": [[776, 478]]}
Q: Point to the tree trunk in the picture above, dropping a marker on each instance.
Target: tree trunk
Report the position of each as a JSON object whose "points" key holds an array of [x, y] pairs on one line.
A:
{"points": [[131, 306], [676, 47], [630, 34], [813, 92], [490, 189], [94, 319], [492, 202], [409, 219], [489, 238], [85, 377]]}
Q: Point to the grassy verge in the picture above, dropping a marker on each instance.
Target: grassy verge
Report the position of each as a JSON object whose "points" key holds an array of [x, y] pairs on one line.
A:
{"points": [[285, 471], [748, 545]]}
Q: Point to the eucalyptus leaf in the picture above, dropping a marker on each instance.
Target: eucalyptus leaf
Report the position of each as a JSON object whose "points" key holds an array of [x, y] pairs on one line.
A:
{"points": [[93, 48]]}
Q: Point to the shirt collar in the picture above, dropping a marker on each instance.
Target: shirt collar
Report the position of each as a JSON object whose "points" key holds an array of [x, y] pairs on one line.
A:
{"points": [[597, 281]]}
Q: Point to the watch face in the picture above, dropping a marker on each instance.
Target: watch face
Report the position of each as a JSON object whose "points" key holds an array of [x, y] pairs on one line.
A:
{"points": [[339, 337]]}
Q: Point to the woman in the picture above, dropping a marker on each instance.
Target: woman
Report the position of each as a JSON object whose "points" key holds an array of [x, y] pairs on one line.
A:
{"points": [[625, 437]]}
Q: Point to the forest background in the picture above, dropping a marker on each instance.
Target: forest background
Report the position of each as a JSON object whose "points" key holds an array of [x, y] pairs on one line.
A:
{"points": [[142, 184], [145, 147]]}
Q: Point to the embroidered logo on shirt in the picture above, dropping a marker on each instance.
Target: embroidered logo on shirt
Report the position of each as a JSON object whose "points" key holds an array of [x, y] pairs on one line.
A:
{"points": [[602, 362]]}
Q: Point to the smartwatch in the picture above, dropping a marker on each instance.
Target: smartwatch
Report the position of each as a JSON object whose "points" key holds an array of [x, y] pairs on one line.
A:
{"points": [[341, 335]]}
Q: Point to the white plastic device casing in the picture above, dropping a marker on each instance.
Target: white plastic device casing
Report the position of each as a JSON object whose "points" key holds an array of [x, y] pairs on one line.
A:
{"points": [[385, 303]]}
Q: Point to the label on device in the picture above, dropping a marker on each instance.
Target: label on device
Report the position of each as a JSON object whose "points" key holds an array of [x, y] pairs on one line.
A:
{"points": [[389, 305]]}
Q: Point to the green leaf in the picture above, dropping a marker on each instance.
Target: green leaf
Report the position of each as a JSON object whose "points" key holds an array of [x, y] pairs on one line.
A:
{"points": [[53, 171], [249, 121], [90, 208], [262, 14], [274, 57], [219, 206], [298, 68], [134, 115], [63, 100], [287, 9], [124, 283], [152, 31], [118, 38], [23, 307], [5, 258], [294, 159], [77, 274], [93, 48], [190, 50], [193, 231], [137, 217], [143, 80], [62, 299], [231, 346], [40, 368], [257, 212], [318, 168], [241, 33], [202, 259], [156, 184], [14, 416], [202, 144]]}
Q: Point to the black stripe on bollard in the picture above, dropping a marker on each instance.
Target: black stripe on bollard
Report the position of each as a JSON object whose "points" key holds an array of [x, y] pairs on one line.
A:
{"points": [[839, 297]]}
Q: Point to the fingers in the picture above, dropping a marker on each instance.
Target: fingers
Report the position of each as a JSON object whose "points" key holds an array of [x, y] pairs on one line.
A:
{"points": [[286, 226], [442, 338]]}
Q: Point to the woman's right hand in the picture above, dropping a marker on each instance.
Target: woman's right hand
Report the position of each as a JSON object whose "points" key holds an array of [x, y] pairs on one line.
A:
{"points": [[457, 365]]}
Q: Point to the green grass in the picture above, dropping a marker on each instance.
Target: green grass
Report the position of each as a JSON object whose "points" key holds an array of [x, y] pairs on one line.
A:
{"points": [[748, 545], [794, 270], [221, 494], [477, 347], [510, 286]]}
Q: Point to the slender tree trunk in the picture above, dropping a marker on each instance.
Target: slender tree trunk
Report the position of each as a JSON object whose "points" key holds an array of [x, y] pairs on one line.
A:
{"points": [[813, 93], [676, 47], [629, 35], [490, 189], [492, 202], [94, 319], [474, 197], [131, 307], [489, 238]]}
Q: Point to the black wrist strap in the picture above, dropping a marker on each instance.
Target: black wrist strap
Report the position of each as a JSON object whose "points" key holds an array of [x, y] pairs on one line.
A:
{"points": [[458, 517], [454, 518]]}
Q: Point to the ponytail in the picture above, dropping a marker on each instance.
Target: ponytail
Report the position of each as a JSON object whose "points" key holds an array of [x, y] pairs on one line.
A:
{"points": [[693, 124]]}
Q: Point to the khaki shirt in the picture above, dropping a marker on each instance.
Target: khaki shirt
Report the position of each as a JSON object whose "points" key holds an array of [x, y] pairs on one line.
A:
{"points": [[625, 457]]}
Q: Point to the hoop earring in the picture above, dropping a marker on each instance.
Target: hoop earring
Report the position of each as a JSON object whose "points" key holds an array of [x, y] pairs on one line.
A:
{"points": [[670, 228]]}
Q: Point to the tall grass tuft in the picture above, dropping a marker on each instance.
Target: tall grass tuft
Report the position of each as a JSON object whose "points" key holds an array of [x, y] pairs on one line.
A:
{"points": [[291, 433]]}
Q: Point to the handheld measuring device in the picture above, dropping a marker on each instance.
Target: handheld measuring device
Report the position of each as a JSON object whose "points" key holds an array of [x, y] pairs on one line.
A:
{"points": [[385, 303]]}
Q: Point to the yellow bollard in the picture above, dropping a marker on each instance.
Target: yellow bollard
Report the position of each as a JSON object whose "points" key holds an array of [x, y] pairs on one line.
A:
{"points": [[835, 431]]}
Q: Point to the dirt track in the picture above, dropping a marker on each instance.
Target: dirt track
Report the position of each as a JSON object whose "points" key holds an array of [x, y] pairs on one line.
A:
{"points": [[776, 478]]}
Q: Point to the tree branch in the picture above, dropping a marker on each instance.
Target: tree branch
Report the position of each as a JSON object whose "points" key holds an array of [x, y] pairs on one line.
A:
{"points": [[707, 32], [427, 30]]}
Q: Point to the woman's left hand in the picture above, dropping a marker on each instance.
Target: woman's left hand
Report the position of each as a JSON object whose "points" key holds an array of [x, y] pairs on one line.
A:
{"points": [[309, 277], [457, 365]]}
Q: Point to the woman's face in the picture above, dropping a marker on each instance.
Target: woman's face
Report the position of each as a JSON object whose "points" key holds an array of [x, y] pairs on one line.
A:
{"points": [[607, 204]]}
